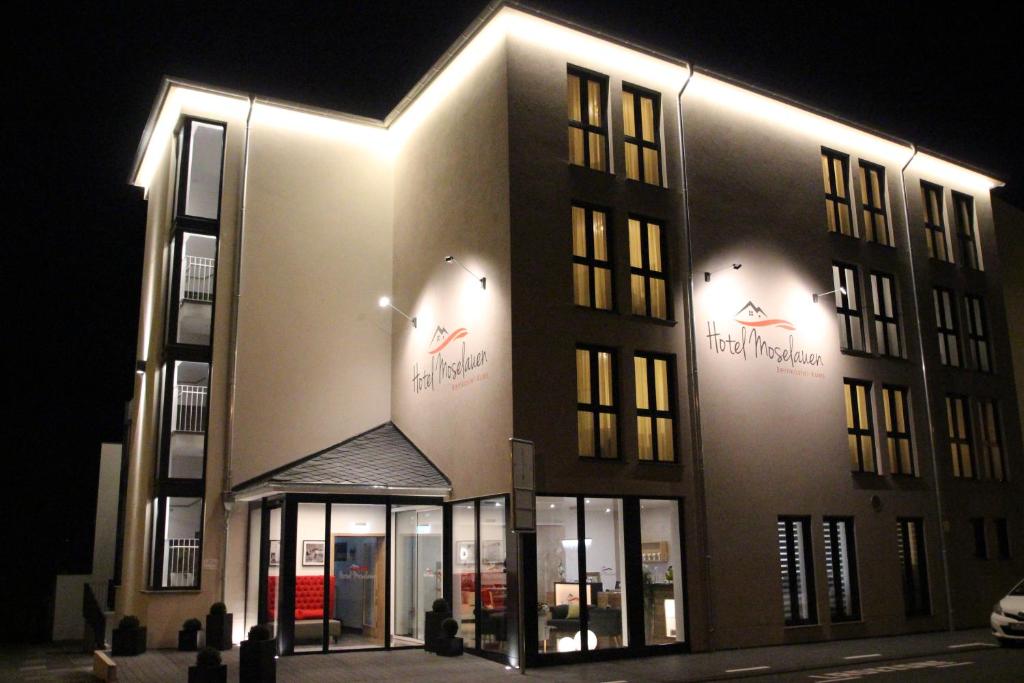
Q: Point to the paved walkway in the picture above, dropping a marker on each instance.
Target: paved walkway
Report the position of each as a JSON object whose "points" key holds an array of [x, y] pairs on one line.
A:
{"points": [[63, 663]]}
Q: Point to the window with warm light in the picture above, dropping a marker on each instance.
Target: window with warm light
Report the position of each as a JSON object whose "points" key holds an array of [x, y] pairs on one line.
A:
{"points": [[958, 423], [641, 129], [848, 307], [841, 569], [935, 223], [978, 357], [596, 409], [873, 204], [859, 425], [990, 448], [591, 263], [966, 231], [588, 121], [949, 345], [647, 271], [655, 424], [887, 329], [896, 409], [797, 571], [913, 566], [835, 169]]}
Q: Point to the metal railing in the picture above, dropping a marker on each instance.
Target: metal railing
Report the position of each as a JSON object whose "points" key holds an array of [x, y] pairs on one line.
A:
{"points": [[197, 278], [181, 562], [191, 408]]}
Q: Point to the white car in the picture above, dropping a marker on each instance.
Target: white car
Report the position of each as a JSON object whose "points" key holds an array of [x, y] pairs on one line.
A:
{"points": [[1008, 617]]}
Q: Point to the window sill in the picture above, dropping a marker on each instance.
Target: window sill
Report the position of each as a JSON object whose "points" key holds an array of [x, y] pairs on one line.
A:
{"points": [[605, 311], [857, 354], [643, 183], [587, 168], [656, 321], [789, 627], [172, 591]]}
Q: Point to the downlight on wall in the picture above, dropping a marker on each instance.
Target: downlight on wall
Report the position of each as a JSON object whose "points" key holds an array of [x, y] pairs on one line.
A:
{"points": [[841, 290], [482, 280], [709, 273]]}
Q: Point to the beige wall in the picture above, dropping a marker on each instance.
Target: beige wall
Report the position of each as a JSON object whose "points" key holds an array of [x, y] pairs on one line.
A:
{"points": [[313, 347], [451, 198]]}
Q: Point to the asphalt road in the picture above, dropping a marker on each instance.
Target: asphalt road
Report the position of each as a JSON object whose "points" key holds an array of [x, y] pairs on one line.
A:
{"points": [[1003, 665]]}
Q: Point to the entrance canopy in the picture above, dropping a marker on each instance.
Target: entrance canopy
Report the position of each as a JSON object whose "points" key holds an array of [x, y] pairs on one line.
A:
{"points": [[378, 462]]}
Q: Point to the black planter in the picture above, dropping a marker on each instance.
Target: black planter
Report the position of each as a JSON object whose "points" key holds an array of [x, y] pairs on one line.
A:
{"points": [[128, 642], [432, 631], [208, 674], [449, 647], [188, 641], [218, 631], [256, 663]]}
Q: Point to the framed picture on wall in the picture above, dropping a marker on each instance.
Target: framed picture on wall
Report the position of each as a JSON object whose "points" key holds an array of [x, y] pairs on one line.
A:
{"points": [[313, 553], [275, 553], [492, 552], [465, 551]]}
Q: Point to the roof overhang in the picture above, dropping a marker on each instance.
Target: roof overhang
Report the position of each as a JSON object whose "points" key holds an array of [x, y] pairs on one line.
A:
{"points": [[266, 490]]}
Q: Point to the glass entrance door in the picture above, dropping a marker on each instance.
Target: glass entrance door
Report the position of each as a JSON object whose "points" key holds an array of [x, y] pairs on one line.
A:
{"points": [[417, 571]]}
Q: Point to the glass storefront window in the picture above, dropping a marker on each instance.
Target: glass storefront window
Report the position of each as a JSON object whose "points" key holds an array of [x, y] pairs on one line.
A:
{"points": [[357, 551], [663, 586], [558, 577], [252, 581], [417, 575], [310, 561], [464, 570], [605, 576], [493, 576], [273, 569]]}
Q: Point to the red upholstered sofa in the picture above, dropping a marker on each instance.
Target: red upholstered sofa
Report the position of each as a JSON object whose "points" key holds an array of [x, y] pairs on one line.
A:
{"points": [[309, 607], [492, 589]]}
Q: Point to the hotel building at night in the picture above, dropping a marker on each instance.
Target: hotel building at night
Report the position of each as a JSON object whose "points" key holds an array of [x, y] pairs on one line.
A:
{"points": [[753, 361]]}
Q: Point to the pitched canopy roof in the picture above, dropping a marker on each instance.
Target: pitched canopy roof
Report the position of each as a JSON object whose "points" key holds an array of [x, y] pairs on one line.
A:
{"points": [[382, 458]]}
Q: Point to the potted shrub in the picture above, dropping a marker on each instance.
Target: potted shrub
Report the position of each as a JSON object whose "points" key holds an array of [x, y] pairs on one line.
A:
{"points": [[188, 636], [218, 627], [449, 645], [129, 637], [208, 668], [257, 661], [432, 632]]}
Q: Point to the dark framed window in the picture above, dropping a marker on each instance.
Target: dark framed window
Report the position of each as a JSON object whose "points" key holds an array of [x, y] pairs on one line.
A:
{"points": [[797, 571], [177, 541], [647, 268], [913, 566], [848, 307], [896, 406], [641, 129], [887, 327], [1002, 538], [859, 425], [200, 162], [945, 321], [192, 280], [978, 357], [958, 420], [990, 448], [841, 569], [835, 169], [980, 542], [591, 259], [655, 406], [596, 404], [966, 231], [873, 204], [935, 223], [587, 95]]}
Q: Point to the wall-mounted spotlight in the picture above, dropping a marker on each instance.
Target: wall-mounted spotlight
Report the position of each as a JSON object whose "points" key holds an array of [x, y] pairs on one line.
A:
{"points": [[708, 274], [385, 302], [841, 290], [140, 367], [452, 259]]}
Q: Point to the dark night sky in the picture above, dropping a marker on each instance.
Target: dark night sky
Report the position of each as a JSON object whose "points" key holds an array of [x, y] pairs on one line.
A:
{"points": [[84, 78]]}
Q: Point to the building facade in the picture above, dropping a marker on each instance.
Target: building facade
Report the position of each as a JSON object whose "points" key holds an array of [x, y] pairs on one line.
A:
{"points": [[759, 356]]}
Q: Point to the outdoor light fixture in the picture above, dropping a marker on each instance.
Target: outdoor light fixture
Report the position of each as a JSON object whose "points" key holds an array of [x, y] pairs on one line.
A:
{"points": [[707, 274], [385, 302], [841, 290], [140, 367], [452, 259]]}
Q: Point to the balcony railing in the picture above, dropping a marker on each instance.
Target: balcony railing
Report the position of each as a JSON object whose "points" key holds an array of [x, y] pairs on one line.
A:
{"points": [[191, 408], [197, 279], [181, 562]]}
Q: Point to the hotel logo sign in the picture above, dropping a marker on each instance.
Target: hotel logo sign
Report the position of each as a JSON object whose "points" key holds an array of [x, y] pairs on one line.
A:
{"points": [[756, 339], [452, 363]]}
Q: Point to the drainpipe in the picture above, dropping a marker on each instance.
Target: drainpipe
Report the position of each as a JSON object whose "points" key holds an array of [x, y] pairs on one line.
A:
{"points": [[694, 386], [229, 440], [927, 399]]}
